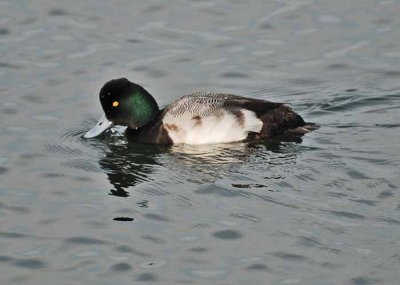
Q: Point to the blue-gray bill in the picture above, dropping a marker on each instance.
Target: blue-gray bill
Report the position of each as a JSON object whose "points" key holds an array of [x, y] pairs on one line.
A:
{"points": [[102, 125]]}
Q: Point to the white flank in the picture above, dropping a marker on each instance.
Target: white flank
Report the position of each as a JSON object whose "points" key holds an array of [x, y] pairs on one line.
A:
{"points": [[219, 127]]}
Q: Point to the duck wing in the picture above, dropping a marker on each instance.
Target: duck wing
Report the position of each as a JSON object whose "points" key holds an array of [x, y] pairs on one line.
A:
{"points": [[253, 115]]}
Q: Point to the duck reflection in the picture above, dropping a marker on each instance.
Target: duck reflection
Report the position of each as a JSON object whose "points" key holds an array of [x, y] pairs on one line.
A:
{"points": [[128, 164]]}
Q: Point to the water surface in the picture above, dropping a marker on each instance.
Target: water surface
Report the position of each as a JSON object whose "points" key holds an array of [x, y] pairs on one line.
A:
{"points": [[321, 210]]}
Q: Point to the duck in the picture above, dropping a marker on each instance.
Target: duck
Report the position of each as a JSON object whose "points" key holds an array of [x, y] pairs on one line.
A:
{"points": [[198, 118]]}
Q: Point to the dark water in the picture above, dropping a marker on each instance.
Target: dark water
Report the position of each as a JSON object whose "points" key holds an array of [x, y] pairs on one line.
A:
{"points": [[322, 211]]}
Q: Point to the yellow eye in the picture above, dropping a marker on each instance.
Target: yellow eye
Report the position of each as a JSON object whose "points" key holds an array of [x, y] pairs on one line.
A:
{"points": [[115, 104]]}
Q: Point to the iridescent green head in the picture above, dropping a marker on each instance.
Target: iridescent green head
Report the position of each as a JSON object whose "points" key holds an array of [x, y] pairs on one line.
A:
{"points": [[124, 103]]}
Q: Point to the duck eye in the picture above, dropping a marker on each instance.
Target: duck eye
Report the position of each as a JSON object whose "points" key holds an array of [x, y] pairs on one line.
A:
{"points": [[115, 104]]}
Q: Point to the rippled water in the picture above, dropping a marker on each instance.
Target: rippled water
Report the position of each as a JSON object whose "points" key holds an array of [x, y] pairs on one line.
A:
{"points": [[321, 210]]}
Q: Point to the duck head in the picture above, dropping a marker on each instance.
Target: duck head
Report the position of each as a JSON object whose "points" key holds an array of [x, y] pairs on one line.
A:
{"points": [[124, 103]]}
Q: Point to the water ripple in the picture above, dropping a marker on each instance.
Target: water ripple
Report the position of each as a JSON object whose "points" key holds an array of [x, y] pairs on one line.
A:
{"points": [[105, 210]]}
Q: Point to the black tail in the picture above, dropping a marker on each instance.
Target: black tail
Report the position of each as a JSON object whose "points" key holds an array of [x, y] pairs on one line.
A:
{"points": [[308, 127]]}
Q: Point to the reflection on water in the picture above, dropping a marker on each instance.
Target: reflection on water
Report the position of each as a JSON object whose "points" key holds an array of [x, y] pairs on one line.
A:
{"points": [[128, 163]]}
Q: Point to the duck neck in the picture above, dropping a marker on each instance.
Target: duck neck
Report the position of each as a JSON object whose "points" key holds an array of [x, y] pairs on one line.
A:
{"points": [[153, 132], [144, 107]]}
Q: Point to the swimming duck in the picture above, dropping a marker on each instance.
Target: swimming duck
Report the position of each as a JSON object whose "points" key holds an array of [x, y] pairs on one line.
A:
{"points": [[199, 118]]}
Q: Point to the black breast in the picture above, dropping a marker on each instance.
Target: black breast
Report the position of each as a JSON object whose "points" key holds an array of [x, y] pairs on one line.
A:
{"points": [[154, 132]]}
